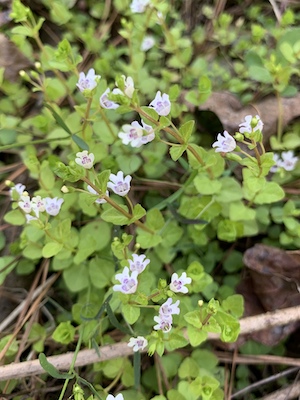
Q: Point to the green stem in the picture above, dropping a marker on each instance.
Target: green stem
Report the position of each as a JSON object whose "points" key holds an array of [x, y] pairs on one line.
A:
{"points": [[86, 116], [32, 142], [117, 207], [280, 117]]}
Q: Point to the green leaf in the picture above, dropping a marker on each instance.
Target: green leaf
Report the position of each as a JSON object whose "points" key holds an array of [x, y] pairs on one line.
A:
{"points": [[193, 318], [15, 217], [270, 193], [151, 113], [188, 369], [76, 278], [206, 186], [50, 368], [196, 336], [138, 213], [103, 179], [114, 216], [64, 333], [59, 119], [177, 151], [80, 142], [260, 74], [234, 305], [51, 249], [7, 264], [186, 130], [131, 313]]}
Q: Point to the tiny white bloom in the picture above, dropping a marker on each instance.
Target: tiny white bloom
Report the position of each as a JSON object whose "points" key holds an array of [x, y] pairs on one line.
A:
{"points": [[118, 184], [106, 103], [288, 161], [138, 343], [139, 263], [88, 81], [177, 284], [147, 43], [118, 397], [85, 159], [52, 206], [30, 218], [163, 324], [25, 203], [225, 143], [251, 124], [161, 104], [167, 308], [139, 6], [129, 86], [99, 200], [17, 191], [276, 159], [133, 134], [128, 284], [38, 205]]}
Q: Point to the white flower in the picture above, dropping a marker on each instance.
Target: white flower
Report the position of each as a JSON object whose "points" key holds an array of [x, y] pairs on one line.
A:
{"points": [[118, 184], [106, 103], [275, 167], [25, 203], [161, 104], [38, 205], [133, 134], [225, 143], [147, 43], [167, 309], [139, 263], [53, 206], [139, 6], [89, 81], [17, 191], [129, 86], [288, 161], [163, 324], [100, 200], [30, 218], [128, 284], [251, 124], [177, 284], [118, 397], [85, 159], [138, 343]]}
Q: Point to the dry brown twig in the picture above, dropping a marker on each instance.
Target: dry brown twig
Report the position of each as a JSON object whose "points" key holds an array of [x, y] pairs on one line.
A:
{"points": [[108, 352]]}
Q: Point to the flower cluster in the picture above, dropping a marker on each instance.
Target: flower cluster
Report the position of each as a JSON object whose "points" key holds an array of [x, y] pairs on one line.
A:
{"points": [[165, 316], [137, 344], [127, 90], [128, 283], [134, 134], [33, 207], [287, 161], [251, 124]]}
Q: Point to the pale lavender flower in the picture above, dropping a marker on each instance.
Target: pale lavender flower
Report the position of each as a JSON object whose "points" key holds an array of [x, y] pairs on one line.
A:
{"points": [[138, 343], [100, 200], [275, 167], [85, 159], [288, 161], [89, 81], [167, 309], [251, 124], [139, 6], [30, 218], [118, 397], [118, 184], [224, 144], [147, 43], [139, 263], [177, 284], [163, 324], [161, 104], [17, 191], [38, 205], [128, 284], [106, 103], [25, 203], [52, 206], [133, 134], [129, 86]]}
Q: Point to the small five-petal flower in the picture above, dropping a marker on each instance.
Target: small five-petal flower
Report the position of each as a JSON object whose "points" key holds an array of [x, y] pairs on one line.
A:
{"points": [[139, 263], [88, 81], [251, 124], [177, 284], [161, 104], [118, 184], [85, 159], [225, 143], [139, 6], [138, 343], [128, 283]]}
